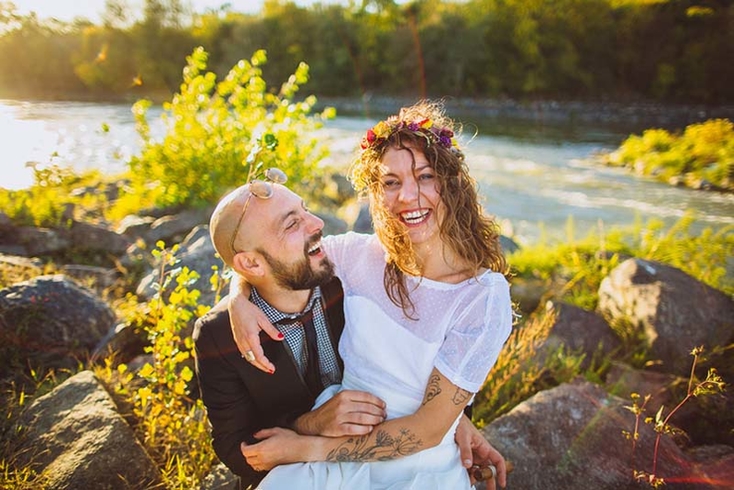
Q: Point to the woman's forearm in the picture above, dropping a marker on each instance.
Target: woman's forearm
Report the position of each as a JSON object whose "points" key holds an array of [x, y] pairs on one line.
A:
{"points": [[403, 436]]}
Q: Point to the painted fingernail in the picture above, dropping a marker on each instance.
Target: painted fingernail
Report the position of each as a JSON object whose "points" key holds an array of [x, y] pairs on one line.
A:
{"points": [[281, 336], [271, 371]]}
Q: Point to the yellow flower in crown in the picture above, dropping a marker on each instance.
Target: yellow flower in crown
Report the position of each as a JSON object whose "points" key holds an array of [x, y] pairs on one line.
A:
{"points": [[382, 129]]}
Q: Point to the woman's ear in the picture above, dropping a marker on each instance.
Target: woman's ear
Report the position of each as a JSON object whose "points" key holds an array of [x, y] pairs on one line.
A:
{"points": [[248, 264]]}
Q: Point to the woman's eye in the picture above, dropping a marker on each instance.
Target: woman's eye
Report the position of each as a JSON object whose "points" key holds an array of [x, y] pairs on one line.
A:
{"points": [[426, 177], [390, 183]]}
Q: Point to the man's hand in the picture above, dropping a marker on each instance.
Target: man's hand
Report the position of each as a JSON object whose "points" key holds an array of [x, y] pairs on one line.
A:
{"points": [[476, 450], [277, 446], [347, 413]]}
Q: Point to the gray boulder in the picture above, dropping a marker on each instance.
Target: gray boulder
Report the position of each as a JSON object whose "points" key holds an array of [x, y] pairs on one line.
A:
{"points": [[41, 241], [220, 478], [363, 223], [97, 238], [676, 312], [197, 253], [579, 331], [134, 226], [50, 320], [173, 228], [75, 438], [80, 236], [570, 437]]}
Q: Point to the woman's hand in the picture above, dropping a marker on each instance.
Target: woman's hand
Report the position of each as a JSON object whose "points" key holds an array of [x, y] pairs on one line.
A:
{"points": [[277, 446], [247, 321], [476, 451]]}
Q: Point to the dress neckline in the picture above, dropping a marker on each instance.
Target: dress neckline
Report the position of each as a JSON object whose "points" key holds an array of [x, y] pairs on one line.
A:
{"points": [[433, 284]]}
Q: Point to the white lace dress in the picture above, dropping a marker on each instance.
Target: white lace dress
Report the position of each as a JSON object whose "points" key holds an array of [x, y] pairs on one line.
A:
{"points": [[460, 331]]}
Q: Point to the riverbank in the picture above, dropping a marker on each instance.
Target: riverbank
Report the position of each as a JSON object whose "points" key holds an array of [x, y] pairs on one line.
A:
{"points": [[635, 115]]}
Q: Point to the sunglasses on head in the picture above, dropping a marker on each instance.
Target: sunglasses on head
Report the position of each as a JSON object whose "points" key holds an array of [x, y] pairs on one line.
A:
{"points": [[262, 189]]}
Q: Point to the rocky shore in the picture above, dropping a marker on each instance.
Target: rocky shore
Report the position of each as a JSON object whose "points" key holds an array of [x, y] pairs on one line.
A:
{"points": [[631, 116], [567, 437]]}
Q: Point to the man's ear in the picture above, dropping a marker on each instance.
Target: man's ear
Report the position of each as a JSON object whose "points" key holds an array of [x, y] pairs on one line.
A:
{"points": [[248, 264]]}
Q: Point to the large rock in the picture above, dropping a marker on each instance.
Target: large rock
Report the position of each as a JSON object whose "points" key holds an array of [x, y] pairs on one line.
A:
{"points": [[173, 228], [220, 478], [570, 437], [75, 438], [197, 253], [676, 311], [97, 238], [41, 241], [50, 321], [80, 236], [579, 331], [528, 292], [134, 226]]}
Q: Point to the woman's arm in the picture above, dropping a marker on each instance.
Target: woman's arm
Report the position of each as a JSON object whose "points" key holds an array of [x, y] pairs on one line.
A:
{"points": [[247, 321], [442, 403]]}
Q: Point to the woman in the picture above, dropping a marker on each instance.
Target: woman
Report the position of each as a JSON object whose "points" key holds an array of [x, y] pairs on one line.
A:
{"points": [[422, 335]]}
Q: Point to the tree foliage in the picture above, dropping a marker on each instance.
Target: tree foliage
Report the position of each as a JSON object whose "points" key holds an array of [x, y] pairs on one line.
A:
{"points": [[664, 50]]}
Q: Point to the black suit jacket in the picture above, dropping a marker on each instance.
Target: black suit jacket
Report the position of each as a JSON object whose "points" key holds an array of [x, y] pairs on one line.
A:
{"points": [[240, 399]]}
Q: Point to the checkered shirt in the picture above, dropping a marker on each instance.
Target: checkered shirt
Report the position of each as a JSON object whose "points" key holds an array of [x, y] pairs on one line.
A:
{"points": [[295, 338]]}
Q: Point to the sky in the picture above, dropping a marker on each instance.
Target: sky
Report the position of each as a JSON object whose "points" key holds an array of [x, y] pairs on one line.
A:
{"points": [[67, 10]]}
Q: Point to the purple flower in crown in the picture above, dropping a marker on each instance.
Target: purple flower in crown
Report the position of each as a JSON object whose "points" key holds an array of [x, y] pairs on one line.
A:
{"points": [[445, 138], [413, 126]]}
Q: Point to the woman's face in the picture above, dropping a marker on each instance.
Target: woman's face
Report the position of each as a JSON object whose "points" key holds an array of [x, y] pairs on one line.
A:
{"points": [[412, 193]]}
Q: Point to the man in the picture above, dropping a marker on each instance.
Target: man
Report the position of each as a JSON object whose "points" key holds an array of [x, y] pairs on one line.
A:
{"points": [[264, 232]]}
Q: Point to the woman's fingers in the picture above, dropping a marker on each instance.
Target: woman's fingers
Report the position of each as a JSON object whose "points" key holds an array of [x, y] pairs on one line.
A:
{"points": [[247, 322]]}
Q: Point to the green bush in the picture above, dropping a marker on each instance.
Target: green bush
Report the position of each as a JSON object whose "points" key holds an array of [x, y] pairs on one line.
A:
{"points": [[169, 420], [703, 155], [49, 199], [214, 129]]}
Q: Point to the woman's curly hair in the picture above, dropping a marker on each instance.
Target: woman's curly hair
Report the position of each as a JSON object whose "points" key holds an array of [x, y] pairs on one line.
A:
{"points": [[465, 229]]}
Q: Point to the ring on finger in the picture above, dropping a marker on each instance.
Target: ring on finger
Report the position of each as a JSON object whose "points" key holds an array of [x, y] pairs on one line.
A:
{"points": [[249, 356]]}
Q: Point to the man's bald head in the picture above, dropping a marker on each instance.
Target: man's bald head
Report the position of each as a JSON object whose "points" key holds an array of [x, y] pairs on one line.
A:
{"points": [[224, 221]]}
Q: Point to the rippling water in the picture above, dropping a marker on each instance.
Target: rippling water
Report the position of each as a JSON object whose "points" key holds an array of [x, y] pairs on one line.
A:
{"points": [[542, 177]]}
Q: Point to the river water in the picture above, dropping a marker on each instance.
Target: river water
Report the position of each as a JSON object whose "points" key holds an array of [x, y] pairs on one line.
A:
{"points": [[534, 178]]}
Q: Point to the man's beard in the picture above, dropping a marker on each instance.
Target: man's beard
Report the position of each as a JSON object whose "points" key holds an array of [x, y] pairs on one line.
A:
{"points": [[300, 275]]}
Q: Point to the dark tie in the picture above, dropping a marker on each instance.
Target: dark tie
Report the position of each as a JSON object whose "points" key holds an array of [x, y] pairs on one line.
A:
{"points": [[313, 372]]}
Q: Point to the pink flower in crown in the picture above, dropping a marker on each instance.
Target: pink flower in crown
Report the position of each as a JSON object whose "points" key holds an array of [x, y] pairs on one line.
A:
{"points": [[368, 139]]}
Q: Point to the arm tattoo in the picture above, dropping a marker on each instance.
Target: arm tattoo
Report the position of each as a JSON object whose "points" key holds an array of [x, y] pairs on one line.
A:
{"points": [[384, 447], [461, 396], [433, 389]]}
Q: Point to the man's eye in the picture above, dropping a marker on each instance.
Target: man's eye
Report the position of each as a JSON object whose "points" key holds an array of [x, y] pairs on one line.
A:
{"points": [[292, 225]]}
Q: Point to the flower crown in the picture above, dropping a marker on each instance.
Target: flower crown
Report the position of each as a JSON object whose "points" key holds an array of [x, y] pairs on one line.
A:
{"points": [[424, 128]]}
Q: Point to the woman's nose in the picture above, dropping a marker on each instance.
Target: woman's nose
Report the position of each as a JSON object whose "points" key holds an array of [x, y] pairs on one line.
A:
{"points": [[408, 191]]}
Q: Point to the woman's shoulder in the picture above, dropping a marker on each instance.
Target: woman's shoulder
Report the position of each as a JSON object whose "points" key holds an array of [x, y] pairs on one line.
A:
{"points": [[349, 239], [491, 279]]}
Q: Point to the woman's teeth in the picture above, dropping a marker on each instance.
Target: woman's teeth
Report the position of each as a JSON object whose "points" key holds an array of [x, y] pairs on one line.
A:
{"points": [[415, 217]]}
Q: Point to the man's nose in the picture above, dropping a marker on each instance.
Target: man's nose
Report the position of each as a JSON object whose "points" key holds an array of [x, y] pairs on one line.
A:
{"points": [[315, 224]]}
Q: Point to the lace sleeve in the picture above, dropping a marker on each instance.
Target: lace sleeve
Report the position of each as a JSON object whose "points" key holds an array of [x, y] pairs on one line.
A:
{"points": [[474, 341]]}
